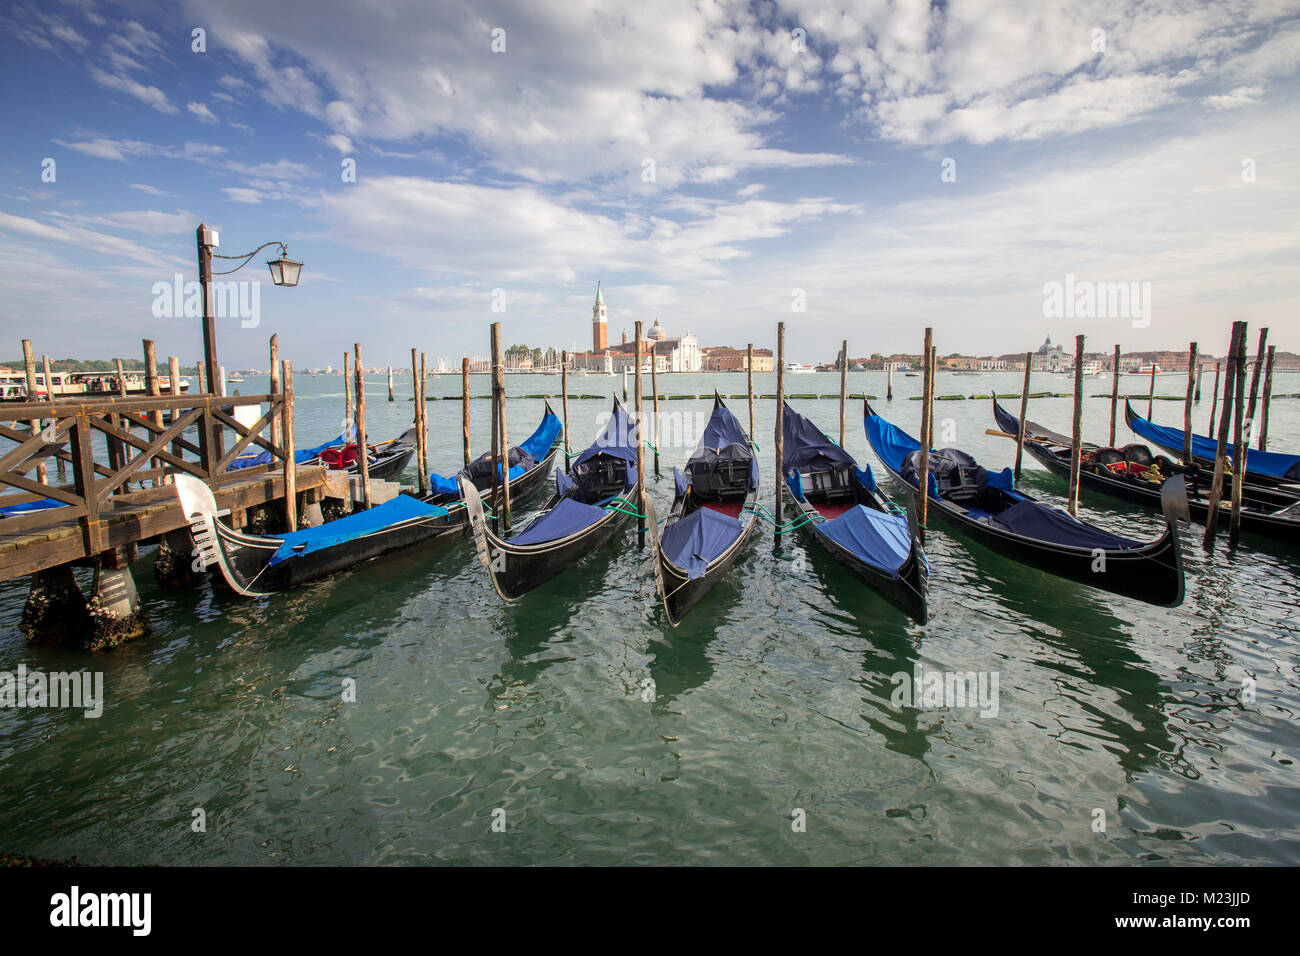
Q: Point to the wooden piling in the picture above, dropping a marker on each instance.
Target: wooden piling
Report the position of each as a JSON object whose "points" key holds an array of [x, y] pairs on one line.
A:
{"points": [[198, 370], [1200, 369], [290, 466], [1024, 410], [417, 400], [889, 382], [1239, 442], [1214, 405], [174, 388], [1114, 397], [153, 389], [1254, 386], [564, 395], [274, 387], [1076, 445], [654, 388], [347, 390], [500, 367], [1151, 393], [749, 375], [923, 473], [363, 445], [844, 386], [390, 384], [1268, 395], [1216, 486], [493, 332], [423, 402], [464, 402], [780, 428], [29, 367], [1187, 405], [640, 444], [49, 387]]}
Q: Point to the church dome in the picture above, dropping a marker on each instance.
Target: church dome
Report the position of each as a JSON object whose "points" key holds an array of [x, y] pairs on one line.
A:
{"points": [[657, 331], [1045, 347]]}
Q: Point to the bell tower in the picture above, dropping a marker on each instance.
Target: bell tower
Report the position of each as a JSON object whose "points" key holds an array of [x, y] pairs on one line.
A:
{"points": [[599, 331]]}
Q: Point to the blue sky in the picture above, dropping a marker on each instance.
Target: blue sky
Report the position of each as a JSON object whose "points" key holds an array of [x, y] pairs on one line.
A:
{"points": [[795, 146]]}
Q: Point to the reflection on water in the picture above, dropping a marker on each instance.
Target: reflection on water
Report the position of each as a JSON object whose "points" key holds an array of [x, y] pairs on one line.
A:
{"points": [[608, 737]]}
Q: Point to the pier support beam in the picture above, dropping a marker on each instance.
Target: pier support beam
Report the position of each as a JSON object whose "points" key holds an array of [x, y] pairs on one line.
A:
{"points": [[174, 564], [55, 612]]}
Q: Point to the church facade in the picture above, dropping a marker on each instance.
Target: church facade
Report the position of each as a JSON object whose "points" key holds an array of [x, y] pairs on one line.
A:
{"points": [[681, 354]]}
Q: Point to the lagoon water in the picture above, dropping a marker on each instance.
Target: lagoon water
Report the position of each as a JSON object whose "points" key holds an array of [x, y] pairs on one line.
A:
{"points": [[608, 737]]}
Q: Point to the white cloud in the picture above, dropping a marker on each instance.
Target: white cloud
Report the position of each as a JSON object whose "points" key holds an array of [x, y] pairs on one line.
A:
{"points": [[150, 95], [201, 111], [1241, 96], [239, 194]]}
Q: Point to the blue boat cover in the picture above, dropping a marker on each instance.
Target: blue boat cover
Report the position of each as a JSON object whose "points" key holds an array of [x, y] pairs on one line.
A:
{"points": [[1271, 463], [702, 536], [807, 448], [566, 518], [891, 444], [881, 540], [617, 438], [1033, 519], [401, 508], [723, 438], [300, 457], [31, 506], [542, 438], [441, 485]]}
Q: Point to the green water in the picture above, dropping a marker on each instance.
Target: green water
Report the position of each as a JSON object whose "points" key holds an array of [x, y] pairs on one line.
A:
{"points": [[775, 693]]}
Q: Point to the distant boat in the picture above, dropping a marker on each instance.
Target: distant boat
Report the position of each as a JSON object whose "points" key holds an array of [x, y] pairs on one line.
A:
{"points": [[1147, 369], [797, 369]]}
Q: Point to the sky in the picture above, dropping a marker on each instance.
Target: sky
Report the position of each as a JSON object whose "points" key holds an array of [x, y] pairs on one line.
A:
{"points": [[856, 170]]}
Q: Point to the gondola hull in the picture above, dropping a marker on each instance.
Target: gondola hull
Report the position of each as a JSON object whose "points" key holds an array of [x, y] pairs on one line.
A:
{"points": [[681, 593], [1152, 573], [1255, 517]]}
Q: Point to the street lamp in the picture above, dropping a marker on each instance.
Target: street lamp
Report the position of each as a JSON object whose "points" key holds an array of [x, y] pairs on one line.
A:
{"points": [[284, 272]]}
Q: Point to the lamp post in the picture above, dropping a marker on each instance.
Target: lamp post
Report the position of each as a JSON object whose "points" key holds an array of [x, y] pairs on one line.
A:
{"points": [[284, 271]]}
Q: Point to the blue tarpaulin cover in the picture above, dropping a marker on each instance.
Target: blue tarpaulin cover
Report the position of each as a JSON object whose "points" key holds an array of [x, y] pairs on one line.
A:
{"points": [[566, 518], [541, 440], [301, 457], [891, 444], [722, 432], [879, 539], [617, 438], [1271, 463], [1033, 519], [806, 447], [699, 538], [31, 506], [401, 508]]}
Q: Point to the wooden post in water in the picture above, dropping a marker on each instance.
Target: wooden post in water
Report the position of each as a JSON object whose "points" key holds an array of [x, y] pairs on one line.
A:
{"points": [[923, 473], [275, 387], [1114, 397], [363, 444], [1076, 446], [424, 422], [844, 385], [1214, 405], [464, 405], [29, 367], [290, 466], [654, 387], [1187, 405], [780, 428], [749, 376], [1239, 441], [640, 445], [564, 395], [1216, 486], [1254, 386], [1200, 368], [1268, 396], [416, 382], [390, 383], [151, 387], [198, 370], [1024, 410], [505, 441], [889, 382], [49, 387], [174, 387], [347, 390], [1151, 394], [493, 332]]}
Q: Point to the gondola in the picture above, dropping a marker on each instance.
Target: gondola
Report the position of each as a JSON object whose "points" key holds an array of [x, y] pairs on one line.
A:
{"points": [[592, 500], [258, 565], [1268, 469], [1132, 473], [988, 508], [712, 515], [842, 509], [387, 459]]}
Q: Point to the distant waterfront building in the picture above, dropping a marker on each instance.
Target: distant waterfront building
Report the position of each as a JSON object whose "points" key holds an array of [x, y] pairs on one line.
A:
{"points": [[599, 329], [1052, 358]]}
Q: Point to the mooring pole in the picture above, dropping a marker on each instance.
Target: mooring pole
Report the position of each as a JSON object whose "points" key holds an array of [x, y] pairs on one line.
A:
{"points": [[1076, 446], [1200, 369], [640, 445], [564, 395], [923, 473], [1151, 393], [363, 445], [1254, 386], [290, 466], [174, 387], [347, 393], [275, 387], [1114, 397], [889, 382], [417, 399], [1024, 410], [29, 367], [390, 384], [1216, 486], [780, 428], [749, 370], [151, 387], [654, 387], [464, 405], [844, 386], [1214, 405], [49, 387], [1268, 396], [1187, 405], [501, 419], [1239, 442]]}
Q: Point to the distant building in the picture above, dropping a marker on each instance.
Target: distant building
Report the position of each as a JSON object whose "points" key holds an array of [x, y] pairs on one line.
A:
{"points": [[599, 330], [670, 354], [1052, 358]]}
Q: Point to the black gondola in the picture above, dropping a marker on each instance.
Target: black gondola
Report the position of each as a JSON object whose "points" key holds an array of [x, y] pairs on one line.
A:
{"points": [[843, 510], [387, 459], [1132, 473], [592, 500], [1267, 469], [257, 565], [988, 508], [712, 516]]}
